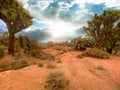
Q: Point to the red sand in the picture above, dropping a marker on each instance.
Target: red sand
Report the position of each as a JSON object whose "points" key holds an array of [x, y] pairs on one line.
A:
{"points": [[83, 74]]}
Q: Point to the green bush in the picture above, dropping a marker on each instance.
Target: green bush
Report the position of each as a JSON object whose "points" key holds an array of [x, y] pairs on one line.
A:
{"points": [[22, 42], [96, 53], [37, 45], [2, 48], [56, 81], [81, 43]]}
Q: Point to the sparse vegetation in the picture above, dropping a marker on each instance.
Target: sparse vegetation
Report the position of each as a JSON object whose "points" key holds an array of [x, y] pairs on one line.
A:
{"points": [[79, 56], [51, 65], [41, 55], [62, 49], [58, 60], [96, 53], [12, 64], [101, 68], [40, 65], [19, 64], [56, 81], [2, 48], [5, 65]]}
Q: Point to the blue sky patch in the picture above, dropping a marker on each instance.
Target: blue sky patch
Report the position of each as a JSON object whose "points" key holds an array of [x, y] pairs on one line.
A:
{"points": [[95, 8]]}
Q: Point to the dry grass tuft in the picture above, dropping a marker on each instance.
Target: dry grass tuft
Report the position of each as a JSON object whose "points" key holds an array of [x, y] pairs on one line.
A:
{"points": [[56, 81], [96, 53]]}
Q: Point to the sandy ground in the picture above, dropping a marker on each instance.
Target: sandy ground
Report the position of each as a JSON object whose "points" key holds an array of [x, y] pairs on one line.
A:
{"points": [[83, 73]]}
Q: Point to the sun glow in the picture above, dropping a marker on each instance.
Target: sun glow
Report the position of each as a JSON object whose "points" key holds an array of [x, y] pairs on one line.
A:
{"points": [[60, 29]]}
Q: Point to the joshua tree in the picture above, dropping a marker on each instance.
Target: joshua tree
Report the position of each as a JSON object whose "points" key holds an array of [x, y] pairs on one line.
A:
{"points": [[104, 28], [16, 19]]}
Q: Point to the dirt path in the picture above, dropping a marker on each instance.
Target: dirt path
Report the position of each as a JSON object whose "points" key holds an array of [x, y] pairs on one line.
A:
{"points": [[84, 74], [88, 73]]}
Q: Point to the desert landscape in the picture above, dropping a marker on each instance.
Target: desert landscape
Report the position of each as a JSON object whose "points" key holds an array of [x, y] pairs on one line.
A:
{"points": [[59, 45], [84, 73]]}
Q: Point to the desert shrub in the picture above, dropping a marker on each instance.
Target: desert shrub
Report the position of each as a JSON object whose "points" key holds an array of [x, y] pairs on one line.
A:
{"points": [[18, 64], [5, 65], [33, 63], [60, 52], [62, 49], [21, 43], [35, 53], [79, 56], [58, 48], [118, 53], [101, 68], [51, 65], [40, 65], [58, 60], [2, 48], [81, 43], [41, 55], [4, 39], [56, 81], [65, 43], [47, 56], [12, 64], [37, 45], [97, 53]]}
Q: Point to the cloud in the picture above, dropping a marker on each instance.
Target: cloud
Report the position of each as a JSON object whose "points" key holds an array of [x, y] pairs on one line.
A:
{"points": [[36, 25], [65, 8], [64, 19], [49, 30], [38, 34], [108, 3]]}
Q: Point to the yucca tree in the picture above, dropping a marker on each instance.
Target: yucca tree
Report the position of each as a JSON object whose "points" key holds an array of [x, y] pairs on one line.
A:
{"points": [[113, 42], [16, 19], [103, 27]]}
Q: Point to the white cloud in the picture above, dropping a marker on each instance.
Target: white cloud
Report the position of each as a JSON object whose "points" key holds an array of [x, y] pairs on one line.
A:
{"points": [[43, 4], [60, 29], [108, 3]]}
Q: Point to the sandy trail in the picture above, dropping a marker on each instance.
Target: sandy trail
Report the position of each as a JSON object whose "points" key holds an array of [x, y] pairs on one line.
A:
{"points": [[84, 74]]}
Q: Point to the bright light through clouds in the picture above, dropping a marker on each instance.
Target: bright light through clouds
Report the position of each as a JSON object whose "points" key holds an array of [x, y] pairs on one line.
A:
{"points": [[61, 28], [61, 20], [64, 19]]}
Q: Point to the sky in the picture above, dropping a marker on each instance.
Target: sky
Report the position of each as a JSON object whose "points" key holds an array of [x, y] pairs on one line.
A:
{"points": [[61, 20]]}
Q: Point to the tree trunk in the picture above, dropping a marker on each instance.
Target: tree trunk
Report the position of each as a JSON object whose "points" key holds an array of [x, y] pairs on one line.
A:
{"points": [[98, 44], [11, 44]]}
